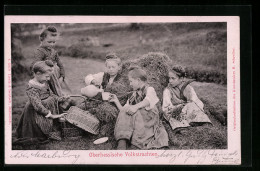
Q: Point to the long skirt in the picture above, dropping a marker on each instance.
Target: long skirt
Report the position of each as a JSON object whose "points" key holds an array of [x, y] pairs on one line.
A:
{"points": [[54, 81], [143, 129], [34, 127], [190, 114]]}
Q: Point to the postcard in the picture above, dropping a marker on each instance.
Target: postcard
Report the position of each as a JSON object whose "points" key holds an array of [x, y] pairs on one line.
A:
{"points": [[122, 90]]}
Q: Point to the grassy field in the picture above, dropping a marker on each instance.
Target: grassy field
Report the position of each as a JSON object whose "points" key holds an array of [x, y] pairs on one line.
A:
{"points": [[201, 48]]}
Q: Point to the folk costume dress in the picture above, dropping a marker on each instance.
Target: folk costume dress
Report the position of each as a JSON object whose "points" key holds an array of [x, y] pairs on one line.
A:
{"points": [[187, 107], [35, 126], [108, 84], [45, 53], [144, 128]]}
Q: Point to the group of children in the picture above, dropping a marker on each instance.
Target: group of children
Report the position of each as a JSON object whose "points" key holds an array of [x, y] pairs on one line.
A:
{"points": [[137, 122]]}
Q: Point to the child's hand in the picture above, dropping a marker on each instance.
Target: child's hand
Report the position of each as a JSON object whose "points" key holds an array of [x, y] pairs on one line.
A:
{"points": [[132, 110], [57, 116], [54, 116], [113, 98], [63, 115]]}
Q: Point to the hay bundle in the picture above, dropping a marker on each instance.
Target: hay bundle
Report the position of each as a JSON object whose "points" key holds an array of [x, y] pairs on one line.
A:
{"points": [[156, 66]]}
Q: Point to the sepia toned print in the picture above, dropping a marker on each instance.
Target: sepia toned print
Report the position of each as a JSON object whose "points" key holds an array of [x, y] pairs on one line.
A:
{"points": [[122, 90]]}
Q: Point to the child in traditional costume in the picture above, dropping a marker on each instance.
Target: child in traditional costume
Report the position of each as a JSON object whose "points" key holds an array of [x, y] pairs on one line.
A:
{"points": [[36, 123], [138, 121], [46, 51], [109, 81], [181, 105], [103, 79]]}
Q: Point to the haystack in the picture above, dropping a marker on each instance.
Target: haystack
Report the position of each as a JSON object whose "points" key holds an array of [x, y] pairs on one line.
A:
{"points": [[156, 66]]}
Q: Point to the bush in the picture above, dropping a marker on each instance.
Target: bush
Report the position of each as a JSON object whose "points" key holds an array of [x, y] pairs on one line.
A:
{"points": [[202, 75], [80, 50], [18, 70]]}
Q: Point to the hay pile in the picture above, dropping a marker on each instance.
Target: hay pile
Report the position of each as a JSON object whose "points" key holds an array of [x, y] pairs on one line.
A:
{"points": [[199, 137], [156, 66], [218, 111]]}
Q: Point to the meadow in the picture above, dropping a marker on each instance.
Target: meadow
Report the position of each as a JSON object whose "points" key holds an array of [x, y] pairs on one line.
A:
{"points": [[199, 47]]}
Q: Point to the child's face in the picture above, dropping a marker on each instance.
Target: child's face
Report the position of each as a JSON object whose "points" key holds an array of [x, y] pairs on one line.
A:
{"points": [[174, 79], [49, 41], [44, 77], [134, 83], [112, 68]]}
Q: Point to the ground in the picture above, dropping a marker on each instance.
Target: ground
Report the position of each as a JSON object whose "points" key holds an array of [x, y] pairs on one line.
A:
{"points": [[187, 48]]}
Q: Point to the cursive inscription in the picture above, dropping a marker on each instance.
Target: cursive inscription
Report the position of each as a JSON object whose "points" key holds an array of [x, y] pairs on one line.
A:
{"points": [[200, 157], [47, 155]]}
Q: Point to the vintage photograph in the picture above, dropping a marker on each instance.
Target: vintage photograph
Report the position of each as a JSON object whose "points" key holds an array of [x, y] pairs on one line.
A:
{"points": [[122, 90], [110, 86]]}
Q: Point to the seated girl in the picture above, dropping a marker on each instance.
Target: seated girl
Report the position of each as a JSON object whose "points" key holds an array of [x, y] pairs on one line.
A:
{"points": [[109, 81], [36, 123], [102, 79], [181, 106], [138, 121]]}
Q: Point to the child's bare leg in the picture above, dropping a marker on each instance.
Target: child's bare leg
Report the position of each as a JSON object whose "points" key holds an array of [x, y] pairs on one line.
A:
{"points": [[121, 144]]}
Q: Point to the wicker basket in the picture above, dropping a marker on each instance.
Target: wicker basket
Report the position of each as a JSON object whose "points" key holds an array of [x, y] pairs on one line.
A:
{"points": [[83, 119], [71, 129], [68, 130]]}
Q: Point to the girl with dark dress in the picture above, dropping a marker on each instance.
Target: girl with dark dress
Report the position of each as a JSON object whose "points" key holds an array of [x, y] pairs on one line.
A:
{"points": [[46, 51], [36, 124]]}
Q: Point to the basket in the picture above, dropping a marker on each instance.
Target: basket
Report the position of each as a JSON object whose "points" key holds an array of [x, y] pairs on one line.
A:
{"points": [[83, 119], [69, 131], [78, 120]]}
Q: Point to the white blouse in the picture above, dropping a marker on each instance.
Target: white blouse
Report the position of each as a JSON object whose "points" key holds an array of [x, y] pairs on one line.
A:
{"points": [[151, 97], [98, 77]]}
